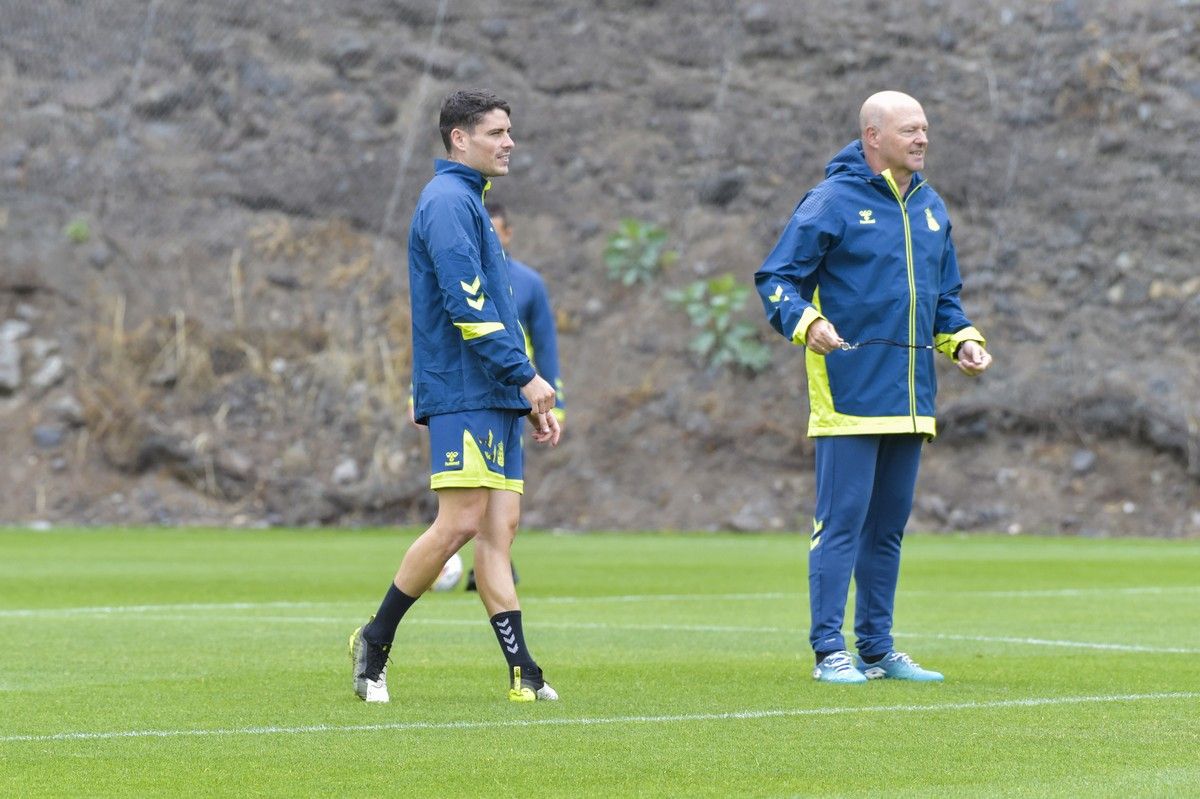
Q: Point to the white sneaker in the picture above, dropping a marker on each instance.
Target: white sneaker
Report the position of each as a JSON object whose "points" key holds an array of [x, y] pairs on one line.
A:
{"points": [[372, 690], [369, 667]]}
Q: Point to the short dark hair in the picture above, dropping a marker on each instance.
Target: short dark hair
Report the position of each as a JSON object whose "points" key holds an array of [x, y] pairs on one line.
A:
{"points": [[497, 210], [464, 109]]}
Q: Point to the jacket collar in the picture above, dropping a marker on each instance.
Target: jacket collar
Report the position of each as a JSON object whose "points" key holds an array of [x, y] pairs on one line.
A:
{"points": [[851, 161], [472, 177]]}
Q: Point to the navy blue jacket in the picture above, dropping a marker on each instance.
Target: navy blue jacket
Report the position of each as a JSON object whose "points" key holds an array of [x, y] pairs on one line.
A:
{"points": [[877, 265], [468, 348]]}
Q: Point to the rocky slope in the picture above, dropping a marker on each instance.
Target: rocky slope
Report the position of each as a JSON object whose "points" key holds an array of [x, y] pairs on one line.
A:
{"points": [[203, 210]]}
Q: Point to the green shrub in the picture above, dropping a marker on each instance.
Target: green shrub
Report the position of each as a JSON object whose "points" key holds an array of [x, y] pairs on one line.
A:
{"points": [[711, 306], [637, 252], [78, 231]]}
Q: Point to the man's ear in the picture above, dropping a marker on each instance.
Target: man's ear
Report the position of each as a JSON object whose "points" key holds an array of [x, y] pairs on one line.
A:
{"points": [[458, 139]]}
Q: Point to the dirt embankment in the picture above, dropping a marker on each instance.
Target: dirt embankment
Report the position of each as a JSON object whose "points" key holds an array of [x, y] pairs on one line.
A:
{"points": [[203, 212]]}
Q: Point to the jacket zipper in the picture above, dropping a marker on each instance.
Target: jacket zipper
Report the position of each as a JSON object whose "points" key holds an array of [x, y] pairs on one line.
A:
{"points": [[912, 294]]}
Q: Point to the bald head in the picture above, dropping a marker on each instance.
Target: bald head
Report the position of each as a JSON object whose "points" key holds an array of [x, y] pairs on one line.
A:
{"points": [[894, 135], [881, 106]]}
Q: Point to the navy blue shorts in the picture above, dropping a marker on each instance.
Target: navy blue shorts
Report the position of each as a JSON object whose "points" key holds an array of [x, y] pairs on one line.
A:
{"points": [[477, 449]]}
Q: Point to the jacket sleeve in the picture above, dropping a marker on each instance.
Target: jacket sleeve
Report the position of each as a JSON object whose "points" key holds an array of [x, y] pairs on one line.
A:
{"points": [[543, 339], [950, 325], [452, 236], [790, 270]]}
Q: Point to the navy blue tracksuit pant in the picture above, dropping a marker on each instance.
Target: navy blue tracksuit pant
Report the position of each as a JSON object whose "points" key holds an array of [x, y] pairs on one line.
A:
{"points": [[865, 490]]}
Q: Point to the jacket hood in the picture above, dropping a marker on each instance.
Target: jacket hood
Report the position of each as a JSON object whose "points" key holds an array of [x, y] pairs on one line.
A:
{"points": [[851, 162]]}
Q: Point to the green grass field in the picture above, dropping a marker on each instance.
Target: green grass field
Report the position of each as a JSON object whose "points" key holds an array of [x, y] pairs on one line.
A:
{"points": [[213, 663]]}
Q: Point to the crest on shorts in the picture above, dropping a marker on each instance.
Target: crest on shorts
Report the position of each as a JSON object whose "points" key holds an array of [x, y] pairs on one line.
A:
{"points": [[452, 458]]}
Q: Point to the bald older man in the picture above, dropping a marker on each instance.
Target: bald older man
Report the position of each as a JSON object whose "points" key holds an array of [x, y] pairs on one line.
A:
{"points": [[865, 277]]}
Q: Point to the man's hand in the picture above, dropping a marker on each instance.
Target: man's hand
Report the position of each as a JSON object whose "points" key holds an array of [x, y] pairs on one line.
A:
{"points": [[822, 338], [973, 359], [546, 429], [540, 395]]}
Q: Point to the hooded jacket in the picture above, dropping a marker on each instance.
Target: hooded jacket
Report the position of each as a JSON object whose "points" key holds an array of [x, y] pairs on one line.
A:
{"points": [[468, 347], [877, 265]]}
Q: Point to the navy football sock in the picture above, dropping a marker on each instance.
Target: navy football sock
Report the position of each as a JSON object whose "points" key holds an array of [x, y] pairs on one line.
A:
{"points": [[507, 626], [382, 629]]}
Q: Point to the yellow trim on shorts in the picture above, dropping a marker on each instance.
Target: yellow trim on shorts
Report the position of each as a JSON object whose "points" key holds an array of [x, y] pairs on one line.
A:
{"points": [[440, 481]]}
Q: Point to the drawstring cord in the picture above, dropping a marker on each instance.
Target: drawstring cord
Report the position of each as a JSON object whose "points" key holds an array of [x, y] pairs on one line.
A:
{"points": [[847, 346]]}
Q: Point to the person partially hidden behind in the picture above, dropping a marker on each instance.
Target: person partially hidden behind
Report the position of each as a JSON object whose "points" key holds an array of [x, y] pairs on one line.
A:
{"points": [[537, 320], [865, 277], [473, 386]]}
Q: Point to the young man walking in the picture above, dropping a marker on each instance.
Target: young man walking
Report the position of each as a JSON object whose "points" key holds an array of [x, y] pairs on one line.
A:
{"points": [[473, 386]]}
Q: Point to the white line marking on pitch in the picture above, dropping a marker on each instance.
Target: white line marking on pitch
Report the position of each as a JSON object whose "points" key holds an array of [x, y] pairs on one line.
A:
{"points": [[1040, 593], [104, 610], [147, 613], [588, 722], [558, 625], [1000, 639], [564, 600]]}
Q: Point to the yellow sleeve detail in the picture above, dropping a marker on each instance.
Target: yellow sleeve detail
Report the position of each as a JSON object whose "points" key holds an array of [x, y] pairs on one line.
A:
{"points": [[472, 330], [800, 334], [947, 343]]}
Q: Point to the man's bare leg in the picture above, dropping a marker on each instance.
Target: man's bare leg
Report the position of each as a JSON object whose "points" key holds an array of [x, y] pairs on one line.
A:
{"points": [[493, 553], [461, 516]]}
